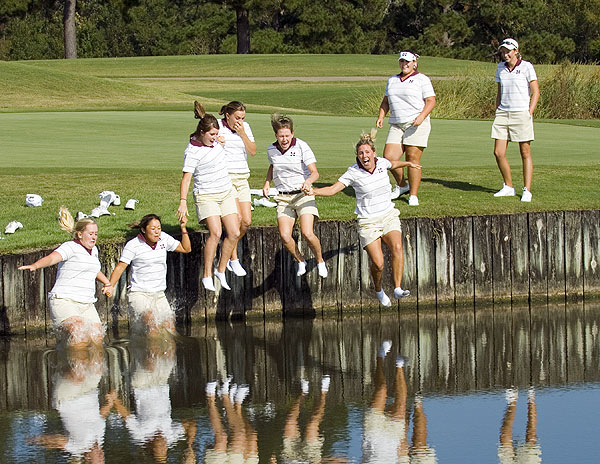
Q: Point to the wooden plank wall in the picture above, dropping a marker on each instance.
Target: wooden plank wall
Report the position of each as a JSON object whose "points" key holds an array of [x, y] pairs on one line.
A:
{"points": [[463, 261]]}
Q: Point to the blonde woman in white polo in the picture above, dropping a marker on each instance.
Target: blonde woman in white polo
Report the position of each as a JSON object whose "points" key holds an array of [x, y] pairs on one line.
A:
{"points": [[214, 197], [73, 295], [293, 169], [517, 97], [149, 310], [410, 98], [377, 216], [237, 139]]}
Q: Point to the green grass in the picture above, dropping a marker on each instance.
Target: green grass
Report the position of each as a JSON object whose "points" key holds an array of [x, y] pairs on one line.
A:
{"points": [[69, 157]]}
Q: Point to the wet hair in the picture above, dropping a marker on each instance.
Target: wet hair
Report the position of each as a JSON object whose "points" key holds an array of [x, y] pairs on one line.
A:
{"points": [[207, 121], [367, 139], [232, 107], [68, 224], [143, 223], [280, 121]]}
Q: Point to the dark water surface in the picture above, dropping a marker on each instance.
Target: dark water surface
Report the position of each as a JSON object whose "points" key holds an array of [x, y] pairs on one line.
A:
{"points": [[514, 385]]}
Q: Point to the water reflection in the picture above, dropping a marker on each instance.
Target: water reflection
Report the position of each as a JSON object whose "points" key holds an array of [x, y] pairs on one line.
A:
{"points": [[456, 386]]}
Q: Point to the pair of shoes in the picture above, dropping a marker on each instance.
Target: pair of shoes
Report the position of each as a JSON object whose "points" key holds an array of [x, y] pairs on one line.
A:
{"points": [[222, 279], [108, 197], [526, 196], [322, 268], [262, 201], [399, 293], [413, 200], [383, 298], [301, 268], [398, 191], [505, 191], [235, 267], [131, 203], [12, 227]]}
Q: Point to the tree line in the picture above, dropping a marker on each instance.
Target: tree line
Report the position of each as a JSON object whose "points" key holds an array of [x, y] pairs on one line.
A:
{"points": [[548, 31]]}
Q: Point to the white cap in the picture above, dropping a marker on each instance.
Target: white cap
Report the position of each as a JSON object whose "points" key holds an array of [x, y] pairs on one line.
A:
{"points": [[509, 44], [408, 56]]}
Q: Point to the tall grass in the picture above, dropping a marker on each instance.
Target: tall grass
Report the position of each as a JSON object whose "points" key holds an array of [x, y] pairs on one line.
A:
{"points": [[569, 91]]}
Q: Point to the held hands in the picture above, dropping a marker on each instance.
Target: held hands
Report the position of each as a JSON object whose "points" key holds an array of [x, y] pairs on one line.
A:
{"points": [[182, 211], [107, 290], [183, 221], [307, 188]]}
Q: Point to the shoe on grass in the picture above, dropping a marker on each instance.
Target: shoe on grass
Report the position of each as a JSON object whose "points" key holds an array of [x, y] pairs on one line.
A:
{"points": [[12, 227], [526, 196], [131, 203], [505, 191], [413, 200]]}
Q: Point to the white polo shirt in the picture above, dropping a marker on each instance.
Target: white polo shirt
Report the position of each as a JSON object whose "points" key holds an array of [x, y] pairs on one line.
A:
{"points": [[76, 275], [148, 264], [235, 150], [373, 189], [290, 167], [406, 96], [514, 85], [209, 167]]}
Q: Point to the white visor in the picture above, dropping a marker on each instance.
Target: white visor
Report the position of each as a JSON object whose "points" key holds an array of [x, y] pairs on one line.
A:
{"points": [[408, 56]]}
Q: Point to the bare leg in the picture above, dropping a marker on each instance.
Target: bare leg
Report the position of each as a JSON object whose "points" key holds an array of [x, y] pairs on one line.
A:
{"points": [[286, 226], [525, 148], [212, 242], [375, 253], [245, 215], [393, 240], [307, 228], [413, 154], [380, 394], [500, 154], [394, 152], [232, 227]]}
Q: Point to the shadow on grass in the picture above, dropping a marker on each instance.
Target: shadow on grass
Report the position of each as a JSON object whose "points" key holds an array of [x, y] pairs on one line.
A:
{"points": [[458, 185]]}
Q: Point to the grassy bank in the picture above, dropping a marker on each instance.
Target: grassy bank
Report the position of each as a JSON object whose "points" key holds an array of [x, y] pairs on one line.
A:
{"points": [[69, 158]]}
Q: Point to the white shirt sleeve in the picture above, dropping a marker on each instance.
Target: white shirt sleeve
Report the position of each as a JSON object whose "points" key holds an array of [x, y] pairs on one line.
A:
{"points": [[346, 178], [308, 157], [248, 131], [170, 242], [65, 250], [128, 253]]}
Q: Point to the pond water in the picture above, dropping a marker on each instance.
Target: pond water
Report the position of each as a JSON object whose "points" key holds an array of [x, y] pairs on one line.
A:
{"points": [[488, 385]]}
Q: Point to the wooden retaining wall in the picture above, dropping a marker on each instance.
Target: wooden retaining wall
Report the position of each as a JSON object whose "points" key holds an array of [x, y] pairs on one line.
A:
{"points": [[499, 259]]}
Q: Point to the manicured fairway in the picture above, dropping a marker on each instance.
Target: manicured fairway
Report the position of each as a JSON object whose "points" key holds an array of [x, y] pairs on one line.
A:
{"points": [[68, 158]]}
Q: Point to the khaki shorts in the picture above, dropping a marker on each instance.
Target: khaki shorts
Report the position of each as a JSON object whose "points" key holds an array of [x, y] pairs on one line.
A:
{"points": [[370, 229], [64, 308], [215, 204], [240, 186], [514, 126], [156, 302], [407, 134], [296, 205]]}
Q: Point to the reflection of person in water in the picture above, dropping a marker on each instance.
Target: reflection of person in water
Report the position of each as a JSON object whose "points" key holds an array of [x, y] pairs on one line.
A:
{"points": [[386, 430], [295, 449], [151, 425], [242, 447], [528, 452], [75, 397]]}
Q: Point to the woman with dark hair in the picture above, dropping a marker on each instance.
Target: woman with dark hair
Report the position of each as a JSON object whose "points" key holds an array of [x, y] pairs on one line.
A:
{"points": [[409, 97], [149, 310], [236, 137], [205, 162], [73, 295], [377, 218]]}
